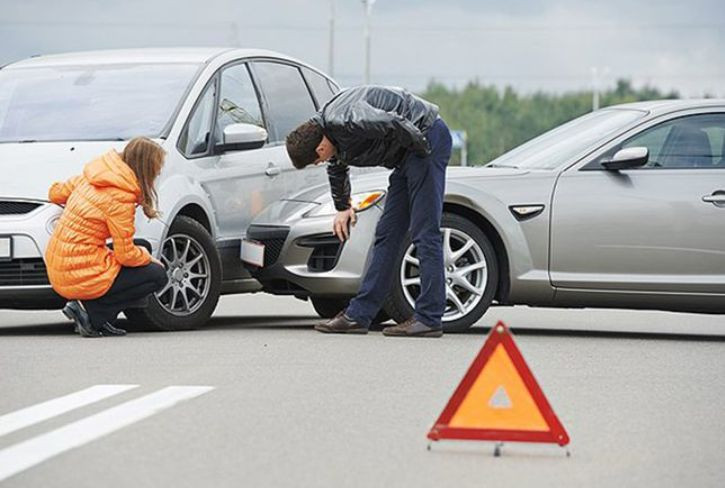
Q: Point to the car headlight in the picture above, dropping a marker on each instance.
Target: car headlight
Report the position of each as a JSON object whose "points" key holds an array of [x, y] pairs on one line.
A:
{"points": [[360, 203]]}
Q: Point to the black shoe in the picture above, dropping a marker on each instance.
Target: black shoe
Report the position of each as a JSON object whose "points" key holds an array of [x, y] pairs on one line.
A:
{"points": [[341, 325], [412, 328], [108, 329], [75, 312]]}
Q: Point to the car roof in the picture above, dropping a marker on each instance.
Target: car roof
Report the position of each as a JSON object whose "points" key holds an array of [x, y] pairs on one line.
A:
{"points": [[657, 107], [193, 55]]}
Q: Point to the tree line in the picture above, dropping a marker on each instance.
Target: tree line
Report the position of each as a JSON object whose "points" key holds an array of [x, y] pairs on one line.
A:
{"points": [[497, 120]]}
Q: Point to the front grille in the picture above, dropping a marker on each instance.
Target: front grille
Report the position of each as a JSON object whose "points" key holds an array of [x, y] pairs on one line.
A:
{"points": [[17, 208], [23, 272], [325, 254], [272, 237]]}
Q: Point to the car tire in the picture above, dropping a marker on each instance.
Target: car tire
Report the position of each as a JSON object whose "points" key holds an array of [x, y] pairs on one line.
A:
{"points": [[327, 308], [159, 316], [399, 304]]}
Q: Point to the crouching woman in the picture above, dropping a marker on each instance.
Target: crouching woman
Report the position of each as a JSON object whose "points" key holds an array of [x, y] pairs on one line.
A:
{"points": [[100, 282]]}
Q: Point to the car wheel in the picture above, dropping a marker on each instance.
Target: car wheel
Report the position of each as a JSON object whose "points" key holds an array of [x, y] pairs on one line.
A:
{"points": [[471, 275], [329, 307], [194, 270]]}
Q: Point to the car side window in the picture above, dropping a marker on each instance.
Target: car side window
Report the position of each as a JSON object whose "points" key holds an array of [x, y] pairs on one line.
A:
{"points": [[287, 98], [196, 138], [238, 102], [695, 141], [320, 87]]}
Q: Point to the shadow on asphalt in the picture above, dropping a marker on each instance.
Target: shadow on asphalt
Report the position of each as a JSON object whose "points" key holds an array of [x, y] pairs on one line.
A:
{"points": [[44, 329], [528, 331], [267, 322], [261, 322], [291, 322]]}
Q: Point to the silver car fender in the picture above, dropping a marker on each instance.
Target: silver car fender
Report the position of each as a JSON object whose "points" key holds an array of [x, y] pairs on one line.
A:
{"points": [[180, 191], [525, 242]]}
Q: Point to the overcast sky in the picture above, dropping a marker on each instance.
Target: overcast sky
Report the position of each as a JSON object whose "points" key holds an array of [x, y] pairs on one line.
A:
{"points": [[529, 44]]}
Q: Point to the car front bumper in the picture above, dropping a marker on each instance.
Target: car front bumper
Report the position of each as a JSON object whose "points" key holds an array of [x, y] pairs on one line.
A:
{"points": [[303, 258], [23, 279]]}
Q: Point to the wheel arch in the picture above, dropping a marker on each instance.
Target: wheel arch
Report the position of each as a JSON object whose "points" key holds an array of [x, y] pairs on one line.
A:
{"points": [[181, 194], [196, 212], [504, 280]]}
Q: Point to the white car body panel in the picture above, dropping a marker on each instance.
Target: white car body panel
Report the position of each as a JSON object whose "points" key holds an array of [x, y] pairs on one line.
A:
{"points": [[229, 189]]}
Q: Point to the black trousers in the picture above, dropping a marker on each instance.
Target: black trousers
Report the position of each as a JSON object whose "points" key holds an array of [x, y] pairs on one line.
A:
{"points": [[414, 203], [131, 285]]}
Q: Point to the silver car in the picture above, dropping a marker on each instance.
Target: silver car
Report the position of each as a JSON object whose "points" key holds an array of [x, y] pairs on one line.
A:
{"points": [[220, 114], [623, 207]]}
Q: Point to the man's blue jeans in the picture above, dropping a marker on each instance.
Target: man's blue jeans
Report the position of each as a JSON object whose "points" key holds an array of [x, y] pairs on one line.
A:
{"points": [[414, 203]]}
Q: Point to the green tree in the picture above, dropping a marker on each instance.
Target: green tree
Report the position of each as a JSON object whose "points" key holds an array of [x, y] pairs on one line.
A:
{"points": [[497, 120]]}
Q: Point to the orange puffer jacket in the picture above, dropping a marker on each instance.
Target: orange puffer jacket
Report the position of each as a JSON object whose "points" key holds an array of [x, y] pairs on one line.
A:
{"points": [[99, 204]]}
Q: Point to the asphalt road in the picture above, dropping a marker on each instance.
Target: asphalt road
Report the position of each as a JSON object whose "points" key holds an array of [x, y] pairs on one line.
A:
{"points": [[286, 406]]}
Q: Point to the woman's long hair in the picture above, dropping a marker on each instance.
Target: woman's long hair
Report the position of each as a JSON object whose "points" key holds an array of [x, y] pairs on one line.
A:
{"points": [[145, 158]]}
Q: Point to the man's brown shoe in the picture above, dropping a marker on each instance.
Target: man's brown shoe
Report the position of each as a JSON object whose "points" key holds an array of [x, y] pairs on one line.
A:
{"points": [[341, 325], [412, 328]]}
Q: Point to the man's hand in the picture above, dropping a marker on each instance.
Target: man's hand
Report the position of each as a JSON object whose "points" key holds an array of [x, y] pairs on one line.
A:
{"points": [[342, 223]]}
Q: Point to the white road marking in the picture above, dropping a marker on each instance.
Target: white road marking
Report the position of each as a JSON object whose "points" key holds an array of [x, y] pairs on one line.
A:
{"points": [[34, 414], [27, 454]]}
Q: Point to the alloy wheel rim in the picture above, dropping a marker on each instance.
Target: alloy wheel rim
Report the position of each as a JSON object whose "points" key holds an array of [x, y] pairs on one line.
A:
{"points": [[188, 269], [466, 274]]}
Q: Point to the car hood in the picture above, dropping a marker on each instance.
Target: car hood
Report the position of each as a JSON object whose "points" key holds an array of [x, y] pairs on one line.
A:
{"points": [[379, 181], [460, 172], [28, 169]]}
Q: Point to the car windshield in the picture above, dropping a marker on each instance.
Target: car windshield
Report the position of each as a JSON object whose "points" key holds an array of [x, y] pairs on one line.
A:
{"points": [[559, 145], [99, 102]]}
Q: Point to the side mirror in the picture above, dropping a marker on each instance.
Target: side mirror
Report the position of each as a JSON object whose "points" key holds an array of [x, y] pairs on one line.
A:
{"points": [[631, 157], [240, 137]]}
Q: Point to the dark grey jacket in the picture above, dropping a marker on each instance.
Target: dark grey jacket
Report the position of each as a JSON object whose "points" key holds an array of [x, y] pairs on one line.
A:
{"points": [[372, 126]]}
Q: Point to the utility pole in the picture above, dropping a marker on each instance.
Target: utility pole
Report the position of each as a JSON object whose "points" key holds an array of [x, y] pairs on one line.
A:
{"points": [[464, 149], [331, 46], [595, 89], [596, 78], [368, 4]]}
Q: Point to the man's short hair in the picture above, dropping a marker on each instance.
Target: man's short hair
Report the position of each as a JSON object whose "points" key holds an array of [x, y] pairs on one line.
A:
{"points": [[302, 144]]}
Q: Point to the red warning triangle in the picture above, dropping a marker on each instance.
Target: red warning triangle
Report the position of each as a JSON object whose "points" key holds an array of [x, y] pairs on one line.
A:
{"points": [[499, 399]]}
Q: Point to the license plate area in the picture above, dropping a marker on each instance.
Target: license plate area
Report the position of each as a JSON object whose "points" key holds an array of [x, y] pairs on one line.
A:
{"points": [[6, 248], [253, 252]]}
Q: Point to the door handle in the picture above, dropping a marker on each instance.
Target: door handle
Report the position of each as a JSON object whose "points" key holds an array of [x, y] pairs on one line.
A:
{"points": [[272, 170], [717, 198]]}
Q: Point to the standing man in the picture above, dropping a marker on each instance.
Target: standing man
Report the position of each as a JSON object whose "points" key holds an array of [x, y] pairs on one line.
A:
{"points": [[380, 126]]}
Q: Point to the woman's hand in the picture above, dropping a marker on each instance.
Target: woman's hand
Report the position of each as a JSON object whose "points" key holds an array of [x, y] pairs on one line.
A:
{"points": [[342, 223], [156, 261]]}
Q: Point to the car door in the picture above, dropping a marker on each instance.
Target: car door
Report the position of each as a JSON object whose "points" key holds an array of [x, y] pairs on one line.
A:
{"points": [[288, 102], [236, 181], [657, 228]]}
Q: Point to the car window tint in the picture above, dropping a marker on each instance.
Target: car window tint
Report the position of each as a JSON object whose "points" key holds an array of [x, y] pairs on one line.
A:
{"points": [[320, 87], [195, 139], [238, 102], [653, 139], [559, 145], [717, 141], [695, 141], [288, 100]]}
